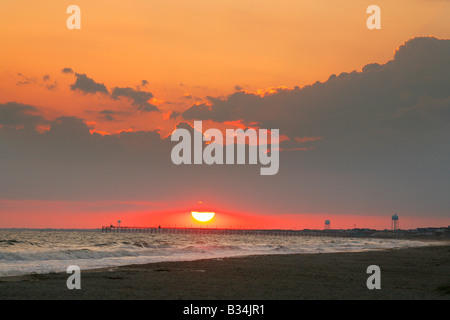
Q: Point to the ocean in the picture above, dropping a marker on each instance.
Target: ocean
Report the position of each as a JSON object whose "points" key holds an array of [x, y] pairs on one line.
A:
{"points": [[47, 251]]}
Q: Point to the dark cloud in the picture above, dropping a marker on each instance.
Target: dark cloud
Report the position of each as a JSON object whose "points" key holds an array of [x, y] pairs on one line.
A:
{"points": [[138, 98], [18, 114], [51, 86], [69, 162], [88, 85], [378, 98], [174, 114], [386, 126], [371, 142], [67, 70], [184, 125], [108, 115]]}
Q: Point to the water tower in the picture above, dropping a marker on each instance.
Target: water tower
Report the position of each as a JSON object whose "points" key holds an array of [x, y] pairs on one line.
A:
{"points": [[327, 224], [394, 223]]}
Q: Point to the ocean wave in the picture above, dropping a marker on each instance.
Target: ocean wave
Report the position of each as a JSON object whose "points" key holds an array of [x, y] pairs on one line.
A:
{"points": [[64, 255], [9, 242], [28, 252], [14, 242], [211, 248]]}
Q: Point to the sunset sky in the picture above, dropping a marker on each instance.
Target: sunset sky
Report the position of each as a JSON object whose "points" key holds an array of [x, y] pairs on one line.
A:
{"points": [[86, 115]]}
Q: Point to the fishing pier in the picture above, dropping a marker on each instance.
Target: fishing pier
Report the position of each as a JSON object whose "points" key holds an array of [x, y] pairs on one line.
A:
{"points": [[262, 232]]}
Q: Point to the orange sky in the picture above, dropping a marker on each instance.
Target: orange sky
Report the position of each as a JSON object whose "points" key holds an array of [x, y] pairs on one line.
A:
{"points": [[199, 48], [194, 49], [84, 214]]}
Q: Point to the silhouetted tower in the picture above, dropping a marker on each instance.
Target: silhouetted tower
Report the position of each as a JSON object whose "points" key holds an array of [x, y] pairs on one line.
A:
{"points": [[327, 224], [394, 223]]}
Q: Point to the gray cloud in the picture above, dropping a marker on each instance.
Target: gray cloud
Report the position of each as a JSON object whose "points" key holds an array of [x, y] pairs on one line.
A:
{"points": [[67, 70], [138, 98], [174, 115], [383, 128], [87, 85], [370, 142], [18, 114], [108, 115], [407, 94]]}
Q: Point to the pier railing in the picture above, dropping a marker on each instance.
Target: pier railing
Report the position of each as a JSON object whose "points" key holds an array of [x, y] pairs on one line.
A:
{"points": [[266, 232]]}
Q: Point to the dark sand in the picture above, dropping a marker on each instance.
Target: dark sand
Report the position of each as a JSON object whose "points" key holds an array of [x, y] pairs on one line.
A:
{"points": [[414, 273]]}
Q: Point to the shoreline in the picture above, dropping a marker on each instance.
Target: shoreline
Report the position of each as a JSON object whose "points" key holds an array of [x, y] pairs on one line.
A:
{"points": [[406, 273], [426, 242]]}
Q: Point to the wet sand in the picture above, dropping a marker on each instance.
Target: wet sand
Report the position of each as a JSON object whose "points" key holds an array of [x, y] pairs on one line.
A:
{"points": [[413, 273]]}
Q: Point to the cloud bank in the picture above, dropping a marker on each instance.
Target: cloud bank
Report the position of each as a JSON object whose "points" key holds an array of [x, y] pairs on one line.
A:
{"points": [[374, 141]]}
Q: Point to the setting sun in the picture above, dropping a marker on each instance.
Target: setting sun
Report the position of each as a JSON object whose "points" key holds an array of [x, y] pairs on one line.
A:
{"points": [[202, 216]]}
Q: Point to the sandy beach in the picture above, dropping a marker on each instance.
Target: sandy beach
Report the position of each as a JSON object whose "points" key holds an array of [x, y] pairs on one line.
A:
{"points": [[412, 273]]}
